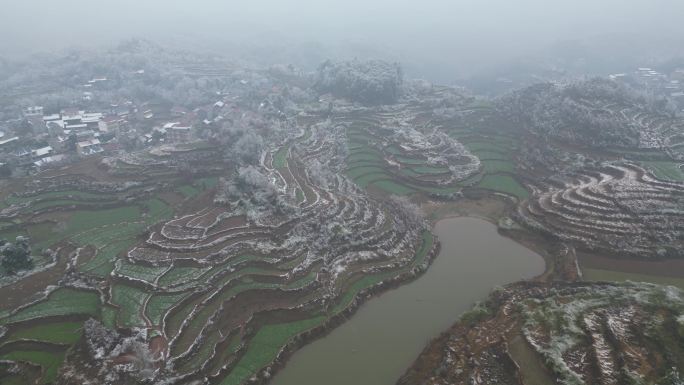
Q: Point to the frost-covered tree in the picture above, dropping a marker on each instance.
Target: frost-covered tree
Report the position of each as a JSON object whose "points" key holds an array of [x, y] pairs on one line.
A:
{"points": [[581, 111], [370, 82], [248, 148], [409, 209], [16, 256]]}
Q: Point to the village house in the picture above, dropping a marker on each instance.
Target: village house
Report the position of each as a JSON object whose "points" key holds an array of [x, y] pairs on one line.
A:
{"points": [[110, 123], [89, 147], [72, 116], [42, 152], [48, 160], [33, 111], [177, 133], [91, 120], [6, 141]]}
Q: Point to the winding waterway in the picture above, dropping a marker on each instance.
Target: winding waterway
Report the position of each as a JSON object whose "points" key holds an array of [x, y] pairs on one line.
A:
{"points": [[383, 338]]}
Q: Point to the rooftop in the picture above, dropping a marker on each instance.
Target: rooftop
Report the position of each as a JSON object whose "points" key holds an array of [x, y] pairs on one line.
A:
{"points": [[9, 140], [42, 151]]}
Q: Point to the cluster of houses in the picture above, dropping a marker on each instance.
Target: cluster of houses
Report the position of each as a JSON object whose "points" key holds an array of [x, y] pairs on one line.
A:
{"points": [[41, 138]]}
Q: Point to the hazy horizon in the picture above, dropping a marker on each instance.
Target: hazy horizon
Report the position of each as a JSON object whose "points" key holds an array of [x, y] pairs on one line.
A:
{"points": [[433, 38]]}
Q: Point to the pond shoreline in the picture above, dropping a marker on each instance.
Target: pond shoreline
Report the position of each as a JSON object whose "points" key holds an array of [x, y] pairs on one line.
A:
{"points": [[266, 374], [378, 292]]}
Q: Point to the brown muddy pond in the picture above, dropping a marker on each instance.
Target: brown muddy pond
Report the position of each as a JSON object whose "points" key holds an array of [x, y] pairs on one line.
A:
{"points": [[388, 332]]}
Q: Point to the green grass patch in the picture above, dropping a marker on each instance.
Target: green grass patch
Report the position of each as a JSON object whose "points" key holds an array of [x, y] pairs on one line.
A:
{"points": [[666, 170], [363, 156], [394, 150], [364, 180], [496, 166], [428, 239], [438, 190], [393, 187], [207, 183], [63, 301], [58, 203], [87, 220], [411, 161], [619, 276], [50, 362], [409, 173], [489, 145], [188, 191], [141, 272], [60, 195], [182, 274], [280, 157], [485, 155], [361, 137], [109, 316], [130, 301], [157, 210], [504, 184], [360, 171], [159, 304], [364, 148], [430, 170], [11, 235], [103, 262], [264, 347], [66, 333], [352, 165], [201, 355], [307, 279]]}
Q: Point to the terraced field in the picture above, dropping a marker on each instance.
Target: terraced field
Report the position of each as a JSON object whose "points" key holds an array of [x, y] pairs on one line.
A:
{"points": [[149, 272], [411, 149], [561, 333], [80, 228], [193, 289], [616, 208]]}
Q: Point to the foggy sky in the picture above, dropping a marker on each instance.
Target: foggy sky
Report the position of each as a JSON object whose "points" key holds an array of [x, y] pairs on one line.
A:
{"points": [[459, 35]]}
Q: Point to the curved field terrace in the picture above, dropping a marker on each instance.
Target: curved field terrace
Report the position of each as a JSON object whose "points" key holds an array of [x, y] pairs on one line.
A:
{"points": [[209, 254], [190, 280]]}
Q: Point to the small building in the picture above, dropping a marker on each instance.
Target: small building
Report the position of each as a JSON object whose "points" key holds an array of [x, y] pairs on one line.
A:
{"points": [[178, 133], [33, 111], [148, 114], [89, 147], [48, 160], [51, 118], [42, 152], [5, 141], [91, 119], [85, 135], [72, 116], [76, 127], [110, 123]]}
